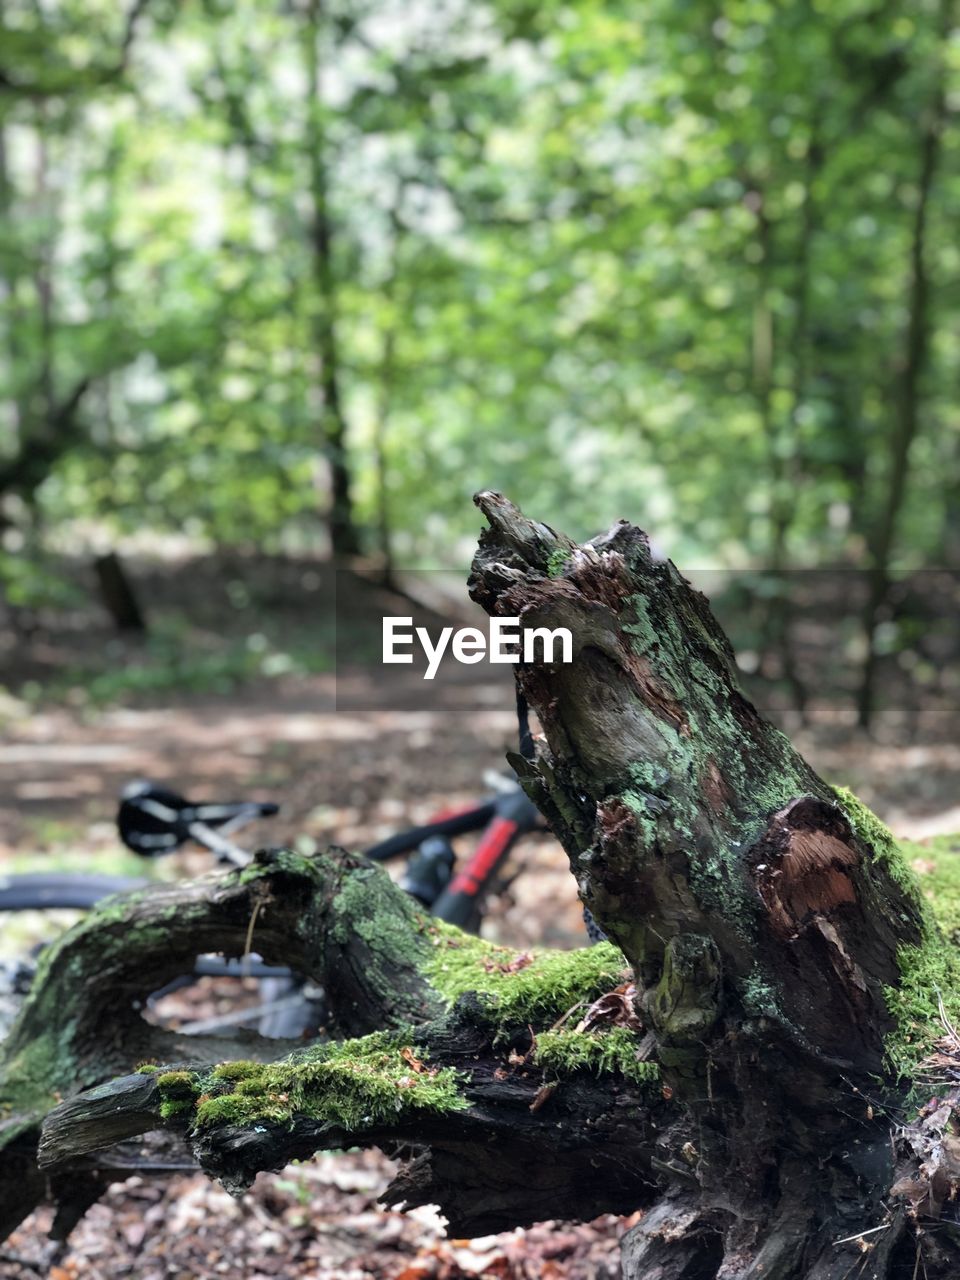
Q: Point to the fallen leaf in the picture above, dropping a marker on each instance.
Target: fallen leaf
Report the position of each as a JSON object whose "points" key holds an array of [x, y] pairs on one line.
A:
{"points": [[616, 1008]]}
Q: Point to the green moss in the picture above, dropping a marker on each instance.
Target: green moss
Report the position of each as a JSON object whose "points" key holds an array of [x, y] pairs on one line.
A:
{"points": [[370, 907], [232, 1108], [879, 837], [270, 861], [929, 971], [239, 1070], [171, 1107], [539, 991], [556, 560], [936, 865], [614, 1051], [175, 1081], [647, 776], [351, 1085], [637, 803], [178, 1091], [759, 997], [147, 1069], [642, 630], [250, 1087]]}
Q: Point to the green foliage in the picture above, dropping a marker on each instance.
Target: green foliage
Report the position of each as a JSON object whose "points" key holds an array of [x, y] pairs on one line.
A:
{"points": [[656, 267], [30, 582]]}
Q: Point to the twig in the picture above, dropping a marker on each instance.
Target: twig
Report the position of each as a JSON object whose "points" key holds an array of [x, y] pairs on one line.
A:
{"points": [[248, 945], [948, 1026], [564, 1016], [861, 1234]]}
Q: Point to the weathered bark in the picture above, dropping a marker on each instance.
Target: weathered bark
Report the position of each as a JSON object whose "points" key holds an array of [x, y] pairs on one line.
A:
{"points": [[763, 927], [494, 1165], [762, 915], [81, 1023]]}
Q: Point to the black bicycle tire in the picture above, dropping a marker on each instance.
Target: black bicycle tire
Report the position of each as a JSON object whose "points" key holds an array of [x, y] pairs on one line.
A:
{"points": [[52, 890], [74, 891]]}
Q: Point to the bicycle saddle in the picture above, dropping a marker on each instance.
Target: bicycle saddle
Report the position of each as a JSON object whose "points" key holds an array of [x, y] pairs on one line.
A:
{"points": [[154, 820]]}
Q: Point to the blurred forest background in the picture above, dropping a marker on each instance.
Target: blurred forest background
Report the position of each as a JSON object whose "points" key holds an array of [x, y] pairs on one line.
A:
{"points": [[283, 282], [286, 280]]}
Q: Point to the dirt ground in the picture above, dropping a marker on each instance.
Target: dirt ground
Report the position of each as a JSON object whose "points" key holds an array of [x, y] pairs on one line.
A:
{"points": [[352, 757]]}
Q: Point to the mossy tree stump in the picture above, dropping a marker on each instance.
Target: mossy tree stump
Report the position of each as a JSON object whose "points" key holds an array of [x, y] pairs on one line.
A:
{"points": [[744, 1059], [440, 1052]]}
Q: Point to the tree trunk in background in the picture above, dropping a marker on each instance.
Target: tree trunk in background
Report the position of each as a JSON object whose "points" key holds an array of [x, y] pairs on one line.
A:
{"points": [[387, 381], [344, 538], [118, 594], [9, 276], [787, 471], [381, 461], [43, 285], [777, 637], [45, 425], [907, 404]]}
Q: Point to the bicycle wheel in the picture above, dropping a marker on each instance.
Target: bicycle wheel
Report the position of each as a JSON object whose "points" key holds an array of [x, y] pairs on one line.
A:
{"points": [[55, 890]]}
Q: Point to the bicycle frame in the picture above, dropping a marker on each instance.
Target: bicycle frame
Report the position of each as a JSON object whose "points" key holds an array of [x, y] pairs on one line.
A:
{"points": [[502, 819]]}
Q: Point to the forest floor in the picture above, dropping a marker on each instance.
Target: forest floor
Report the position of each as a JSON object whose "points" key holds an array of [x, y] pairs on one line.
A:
{"points": [[352, 756]]}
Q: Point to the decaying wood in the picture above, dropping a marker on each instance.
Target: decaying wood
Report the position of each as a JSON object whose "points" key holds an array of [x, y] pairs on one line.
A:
{"points": [[501, 1161], [82, 1023], [496, 1163], [763, 929]]}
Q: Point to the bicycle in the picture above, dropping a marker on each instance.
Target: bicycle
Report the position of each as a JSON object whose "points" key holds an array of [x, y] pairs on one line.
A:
{"points": [[154, 821]]}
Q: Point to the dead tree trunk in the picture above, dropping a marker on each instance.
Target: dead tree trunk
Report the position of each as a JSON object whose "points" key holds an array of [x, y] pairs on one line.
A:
{"points": [[764, 918], [737, 1069]]}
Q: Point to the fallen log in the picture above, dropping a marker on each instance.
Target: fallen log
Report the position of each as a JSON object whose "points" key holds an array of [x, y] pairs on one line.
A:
{"points": [[763, 1056]]}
